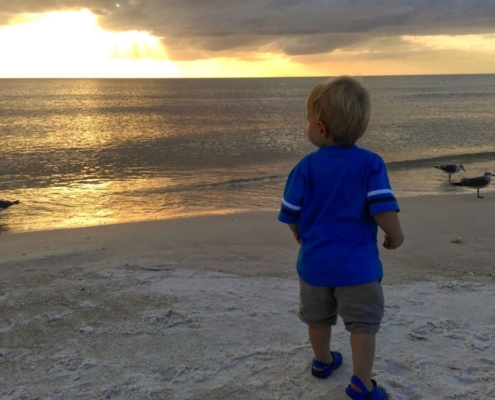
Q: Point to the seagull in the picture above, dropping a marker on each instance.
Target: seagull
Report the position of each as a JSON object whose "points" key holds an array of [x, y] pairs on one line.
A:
{"points": [[450, 168], [478, 183], [7, 203]]}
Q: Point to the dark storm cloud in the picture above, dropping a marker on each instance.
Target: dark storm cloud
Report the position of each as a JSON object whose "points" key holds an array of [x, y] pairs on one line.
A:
{"points": [[192, 27]]}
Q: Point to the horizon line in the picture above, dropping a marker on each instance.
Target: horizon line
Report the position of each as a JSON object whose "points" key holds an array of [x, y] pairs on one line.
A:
{"points": [[246, 77]]}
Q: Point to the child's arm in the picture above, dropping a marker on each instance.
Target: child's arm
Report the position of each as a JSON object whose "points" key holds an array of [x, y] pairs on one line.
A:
{"points": [[295, 231], [389, 222]]}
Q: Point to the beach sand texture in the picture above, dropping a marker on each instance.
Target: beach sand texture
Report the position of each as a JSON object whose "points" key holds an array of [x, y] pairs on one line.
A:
{"points": [[205, 308]]}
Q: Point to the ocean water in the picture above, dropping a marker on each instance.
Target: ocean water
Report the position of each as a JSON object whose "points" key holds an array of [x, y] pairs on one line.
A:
{"points": [[82, 152]]}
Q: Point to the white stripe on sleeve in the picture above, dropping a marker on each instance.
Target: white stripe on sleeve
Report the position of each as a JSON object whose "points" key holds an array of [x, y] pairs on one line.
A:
{"points": [[381, 191], [288, 205]]}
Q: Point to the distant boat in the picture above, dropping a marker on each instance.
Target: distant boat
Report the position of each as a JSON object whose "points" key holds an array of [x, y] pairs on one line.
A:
{"points": [[4, 204]]}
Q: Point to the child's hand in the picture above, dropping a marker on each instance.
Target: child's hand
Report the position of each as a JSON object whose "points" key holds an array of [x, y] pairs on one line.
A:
{"points": [[391, 243], [298, 238], [295, 232], [389, 222]]}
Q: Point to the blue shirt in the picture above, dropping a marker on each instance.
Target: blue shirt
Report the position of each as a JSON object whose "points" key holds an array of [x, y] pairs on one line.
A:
{"points": [[331, 195]]}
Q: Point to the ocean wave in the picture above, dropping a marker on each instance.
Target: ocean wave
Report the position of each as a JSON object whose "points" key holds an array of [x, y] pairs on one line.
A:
{"points": [[217, 185], [243, 181], [446, 159], [448, 95]]}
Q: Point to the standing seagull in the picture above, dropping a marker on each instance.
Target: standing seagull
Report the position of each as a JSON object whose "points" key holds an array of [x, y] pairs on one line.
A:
{"points": [[478, 183], [7, 203], [450, 168]]}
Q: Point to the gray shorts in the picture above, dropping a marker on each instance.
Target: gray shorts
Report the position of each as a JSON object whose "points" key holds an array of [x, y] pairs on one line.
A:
{"points": [[360, 306]]}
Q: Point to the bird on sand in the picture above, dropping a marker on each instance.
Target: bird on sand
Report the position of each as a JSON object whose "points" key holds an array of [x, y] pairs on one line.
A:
{"points": [[478, 183], [450, 168], [7, 203]]}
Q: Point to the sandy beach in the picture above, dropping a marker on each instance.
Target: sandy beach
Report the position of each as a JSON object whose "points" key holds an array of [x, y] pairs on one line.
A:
{"points": [[205, 308]]}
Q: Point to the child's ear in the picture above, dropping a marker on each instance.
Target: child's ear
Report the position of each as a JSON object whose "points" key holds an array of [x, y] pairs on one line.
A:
{"points": [[323, 130]]}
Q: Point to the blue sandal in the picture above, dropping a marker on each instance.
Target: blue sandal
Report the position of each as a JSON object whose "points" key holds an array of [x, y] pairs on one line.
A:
{"points": [[377, 393], [326, 368]]}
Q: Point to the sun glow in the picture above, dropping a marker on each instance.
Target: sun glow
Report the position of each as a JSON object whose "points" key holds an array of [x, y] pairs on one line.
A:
{"points": [[267, 65], [71, 44], [476, 43]]}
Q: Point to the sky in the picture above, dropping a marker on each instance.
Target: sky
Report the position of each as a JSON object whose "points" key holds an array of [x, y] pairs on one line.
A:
{"points": [[245, 38]]}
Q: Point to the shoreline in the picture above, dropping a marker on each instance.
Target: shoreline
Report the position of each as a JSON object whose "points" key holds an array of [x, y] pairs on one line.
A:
{"points": [[430, 224], [408, 185]]}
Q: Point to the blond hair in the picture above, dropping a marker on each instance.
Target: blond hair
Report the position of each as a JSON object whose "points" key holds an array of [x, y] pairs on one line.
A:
{"points": [[343, 105]]}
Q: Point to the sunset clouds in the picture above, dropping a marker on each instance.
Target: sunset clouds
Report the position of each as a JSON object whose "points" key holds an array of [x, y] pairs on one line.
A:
{"points": [[308, 32]]}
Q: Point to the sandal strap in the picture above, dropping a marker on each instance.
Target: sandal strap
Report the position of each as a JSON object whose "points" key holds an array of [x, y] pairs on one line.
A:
{"points": [[322, 365], [359, 383]]}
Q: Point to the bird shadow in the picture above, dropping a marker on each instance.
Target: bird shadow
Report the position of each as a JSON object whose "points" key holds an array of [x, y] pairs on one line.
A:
{"points": [[449, 186]]}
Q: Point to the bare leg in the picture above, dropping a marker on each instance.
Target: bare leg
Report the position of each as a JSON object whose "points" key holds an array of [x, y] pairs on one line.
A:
{"points": [[363, 355], [320, 342]]}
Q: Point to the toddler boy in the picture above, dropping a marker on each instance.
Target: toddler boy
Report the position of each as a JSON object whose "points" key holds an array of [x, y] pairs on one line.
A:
{"points": [[334, 201]]}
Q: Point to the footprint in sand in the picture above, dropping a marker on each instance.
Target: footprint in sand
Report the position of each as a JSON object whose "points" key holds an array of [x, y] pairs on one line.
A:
{"points": [[479, 342], [414, 300], [9, 355], [72, 365], [59, 315], [464, 394], [456, 287], [416, 336], [392, 310], [89, 304], [86, 329], [487, 361], [399, 368], [6, 325], [443, 325], [170, 373]]}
